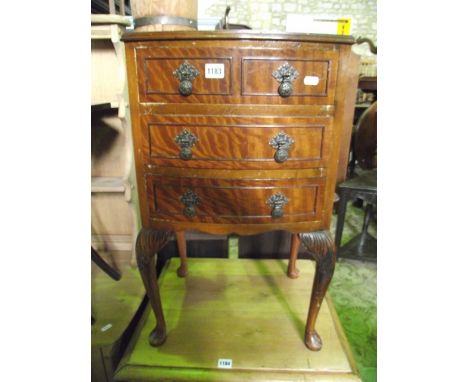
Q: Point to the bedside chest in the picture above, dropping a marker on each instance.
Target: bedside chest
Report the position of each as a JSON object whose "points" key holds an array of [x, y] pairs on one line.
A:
{"points": [[239, 132]]}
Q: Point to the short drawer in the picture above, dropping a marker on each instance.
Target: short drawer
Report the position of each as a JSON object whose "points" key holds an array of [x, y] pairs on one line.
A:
{"points": [[264, 76], [184, 74], [237, 142], [166, 75], [235, 201]]}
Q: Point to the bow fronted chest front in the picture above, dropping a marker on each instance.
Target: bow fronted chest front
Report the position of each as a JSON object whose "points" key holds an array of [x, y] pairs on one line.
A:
{"points": [[239, 132]]}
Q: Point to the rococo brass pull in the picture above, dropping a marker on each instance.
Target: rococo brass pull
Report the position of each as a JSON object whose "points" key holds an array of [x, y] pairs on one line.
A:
{"points": [[186, 73], [285, 75], [281, 143], [277, 202], [186, 140], [190, 200]]}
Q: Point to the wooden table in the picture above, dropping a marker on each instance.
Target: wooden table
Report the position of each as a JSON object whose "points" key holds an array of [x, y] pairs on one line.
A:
{"points": [[241, 310]]}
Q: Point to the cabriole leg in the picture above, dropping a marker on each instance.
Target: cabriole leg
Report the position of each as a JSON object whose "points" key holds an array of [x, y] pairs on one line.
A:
{"points": [[182, 247], [320, 245], [293, 272], [148, 243]]}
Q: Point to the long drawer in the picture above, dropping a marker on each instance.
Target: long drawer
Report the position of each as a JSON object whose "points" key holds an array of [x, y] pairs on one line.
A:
{"points": [[196, 73], [206, 200], [221, 142]]}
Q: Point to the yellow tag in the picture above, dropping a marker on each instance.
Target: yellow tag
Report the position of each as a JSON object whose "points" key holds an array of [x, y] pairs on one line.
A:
{"points": [[343, 26]]}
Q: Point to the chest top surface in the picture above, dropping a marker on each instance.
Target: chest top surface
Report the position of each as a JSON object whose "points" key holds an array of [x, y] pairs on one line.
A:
{"points": [[236, 35], [237, 131]]}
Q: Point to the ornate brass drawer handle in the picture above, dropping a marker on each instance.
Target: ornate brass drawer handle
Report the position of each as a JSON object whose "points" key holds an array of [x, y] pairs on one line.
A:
{"points": [[186, 140], [281, 143], [277, 201], [186, 73], [285, 75], [190, 200]]}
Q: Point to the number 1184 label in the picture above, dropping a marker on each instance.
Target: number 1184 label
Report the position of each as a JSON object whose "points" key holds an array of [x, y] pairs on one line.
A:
{"points": [[224, 363]]}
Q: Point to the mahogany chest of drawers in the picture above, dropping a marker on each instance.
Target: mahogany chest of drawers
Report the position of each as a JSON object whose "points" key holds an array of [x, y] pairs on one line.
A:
{"points": [[239, 132]]}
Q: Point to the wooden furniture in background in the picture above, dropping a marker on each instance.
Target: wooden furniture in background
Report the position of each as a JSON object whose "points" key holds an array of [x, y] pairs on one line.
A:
{"points": [[105, 267], [110, 7], [364, 245], [164, 15], [367, 94], [239, 132], [115, 217], [365, 139], [368, 84], [363, 186]]}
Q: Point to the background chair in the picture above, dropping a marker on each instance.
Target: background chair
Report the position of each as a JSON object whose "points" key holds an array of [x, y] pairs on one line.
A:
{"points": [[362, 185]]}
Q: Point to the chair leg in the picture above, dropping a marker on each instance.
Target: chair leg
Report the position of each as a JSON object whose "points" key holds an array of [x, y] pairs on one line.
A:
{"points": [[101, 263], [320, 245], [365, 225], [340, 220]]}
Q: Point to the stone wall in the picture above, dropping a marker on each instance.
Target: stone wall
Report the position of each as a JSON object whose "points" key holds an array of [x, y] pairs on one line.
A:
{"points": [[270, 15]]}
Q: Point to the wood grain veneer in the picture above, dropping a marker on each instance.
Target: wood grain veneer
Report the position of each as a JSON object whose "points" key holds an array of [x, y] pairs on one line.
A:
{"points": [[235, 201], [207, 160], [222, 141]]}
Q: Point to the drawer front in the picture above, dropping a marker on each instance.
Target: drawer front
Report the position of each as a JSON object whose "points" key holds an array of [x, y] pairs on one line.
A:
{"points": [[163, 70], [236, 142], [262, 76], [234, 201], [251, 74], [161, 76]]}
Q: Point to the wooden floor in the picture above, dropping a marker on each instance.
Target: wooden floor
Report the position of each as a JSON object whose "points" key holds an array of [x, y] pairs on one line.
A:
{"points": [[244, 310]]}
